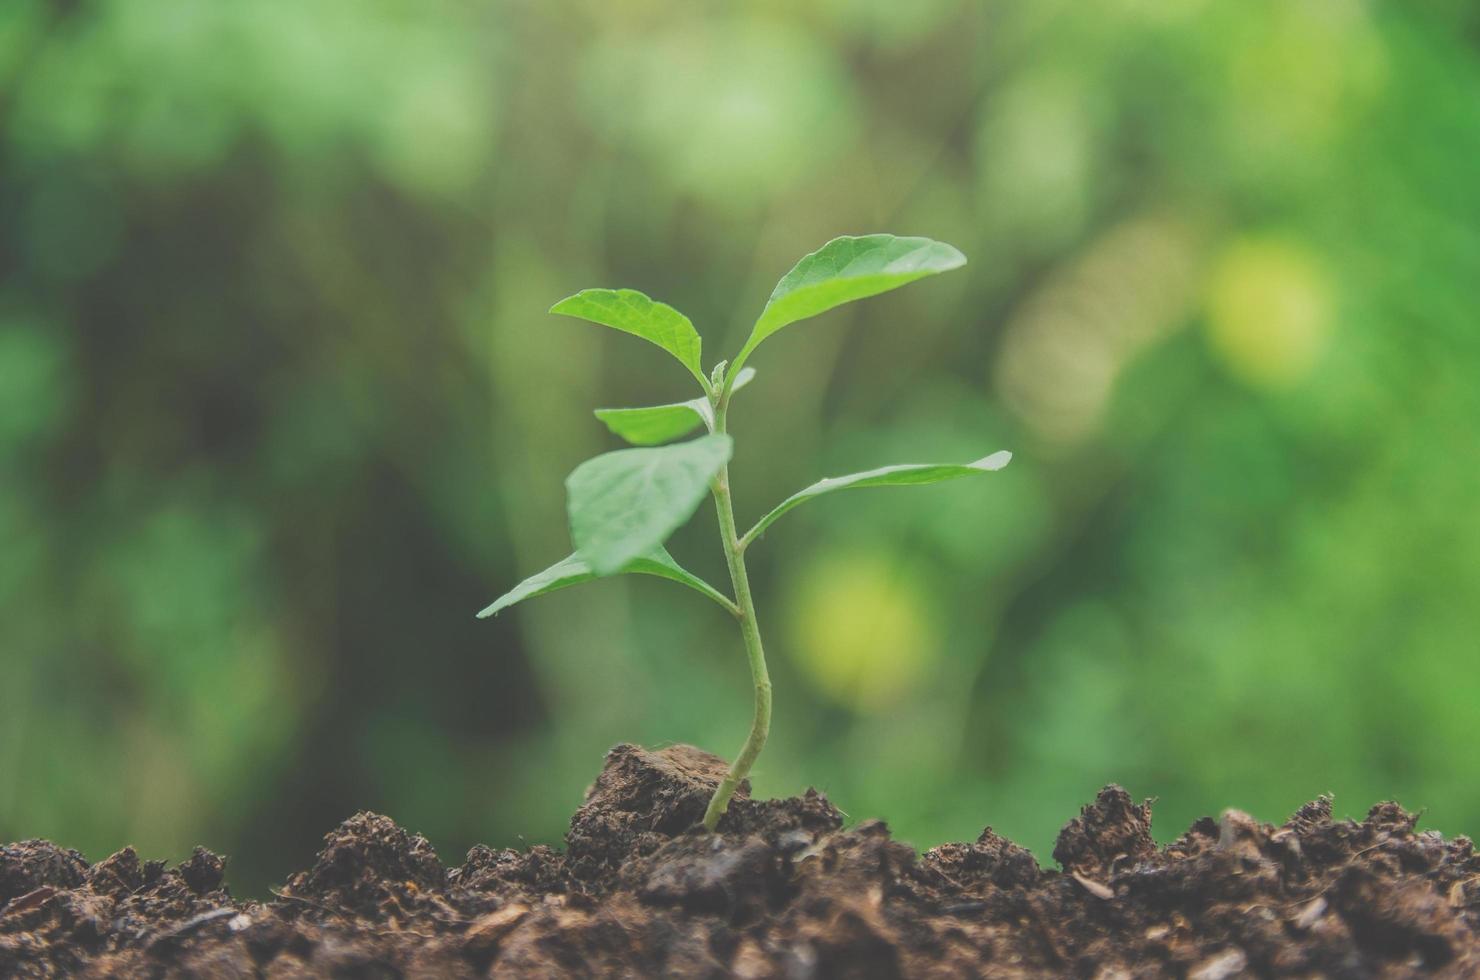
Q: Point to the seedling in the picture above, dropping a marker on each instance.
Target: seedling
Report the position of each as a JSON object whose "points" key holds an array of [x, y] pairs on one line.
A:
{"points": [[623, 505]]}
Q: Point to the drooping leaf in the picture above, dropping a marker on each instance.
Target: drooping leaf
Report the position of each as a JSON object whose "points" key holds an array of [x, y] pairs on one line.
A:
{"points": [[633, 312], [908, 474], [574, 571], [843, 270], [626, 503], [657, 424]]}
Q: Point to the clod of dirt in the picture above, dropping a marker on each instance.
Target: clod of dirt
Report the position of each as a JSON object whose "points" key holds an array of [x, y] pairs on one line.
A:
{"points": [[203, 871], [79, 917], [32, 864], [369, 866], [993, 862], [536, 872], [790, 823], [640, 800], [707, 873], [1408, 916], [781, 891], [1311, 816], [1110, 831]]}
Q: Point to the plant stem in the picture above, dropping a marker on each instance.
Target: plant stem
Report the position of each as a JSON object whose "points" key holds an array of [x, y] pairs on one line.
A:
{"points": [[760, 728]]}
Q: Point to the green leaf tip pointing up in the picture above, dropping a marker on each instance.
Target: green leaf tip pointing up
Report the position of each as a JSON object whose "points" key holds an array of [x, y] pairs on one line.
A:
{"points": [[843, 270], [633, 312]]}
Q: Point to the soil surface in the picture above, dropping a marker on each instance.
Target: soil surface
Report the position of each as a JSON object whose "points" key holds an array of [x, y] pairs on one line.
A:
{"points": [[781, 891]]}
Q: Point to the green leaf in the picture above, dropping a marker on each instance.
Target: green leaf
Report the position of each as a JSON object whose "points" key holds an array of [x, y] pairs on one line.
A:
{"points": [[625, 503], [574, 571], [658, 424], [632, 312], [909, 474], [843, 270]]}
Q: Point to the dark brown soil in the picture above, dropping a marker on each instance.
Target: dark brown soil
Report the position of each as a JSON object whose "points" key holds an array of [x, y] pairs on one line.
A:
{"points": [[782, 891]]}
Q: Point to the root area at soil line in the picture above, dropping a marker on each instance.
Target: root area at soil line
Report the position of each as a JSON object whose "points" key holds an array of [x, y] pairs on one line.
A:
{"points": [[781, 891]]}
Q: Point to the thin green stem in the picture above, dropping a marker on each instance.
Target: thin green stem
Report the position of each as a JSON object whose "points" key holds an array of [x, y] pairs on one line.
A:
{"points": [[760, 727]]}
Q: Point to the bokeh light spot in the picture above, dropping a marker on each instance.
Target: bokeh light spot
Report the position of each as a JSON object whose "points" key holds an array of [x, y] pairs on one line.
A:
{"points": [[728, 110], [861, 630], [1269, 311]]}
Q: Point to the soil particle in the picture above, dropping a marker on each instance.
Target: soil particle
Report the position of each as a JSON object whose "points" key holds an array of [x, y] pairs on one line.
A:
{"points": [[992, 863], [80, 915], [781, 891], [31, 864], [1110, 830], [705, 873], [640, 800], [535, 873], [643, 799], [204, 871], [369, 866]]}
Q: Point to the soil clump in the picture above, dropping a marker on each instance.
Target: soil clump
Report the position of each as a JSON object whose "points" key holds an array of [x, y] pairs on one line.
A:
{"points": [[782, 890]]}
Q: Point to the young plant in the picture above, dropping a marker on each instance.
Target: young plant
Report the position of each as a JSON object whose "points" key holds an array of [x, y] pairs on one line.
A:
{"points": [[623, 505]]}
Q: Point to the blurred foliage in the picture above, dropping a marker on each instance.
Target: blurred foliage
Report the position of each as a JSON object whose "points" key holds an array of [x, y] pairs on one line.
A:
{"points": [[280, 408]]}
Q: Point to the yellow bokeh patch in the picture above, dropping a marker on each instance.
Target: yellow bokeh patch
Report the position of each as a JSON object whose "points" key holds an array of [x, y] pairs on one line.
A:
{"points": [[1270, 311], [860, 627]]}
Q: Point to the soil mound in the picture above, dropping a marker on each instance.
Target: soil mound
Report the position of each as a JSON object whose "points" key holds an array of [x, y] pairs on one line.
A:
{"points": [[781, 891]]}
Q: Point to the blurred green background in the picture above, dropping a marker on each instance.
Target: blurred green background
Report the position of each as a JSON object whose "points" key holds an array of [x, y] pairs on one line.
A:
{"points": [[280, 408]]}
